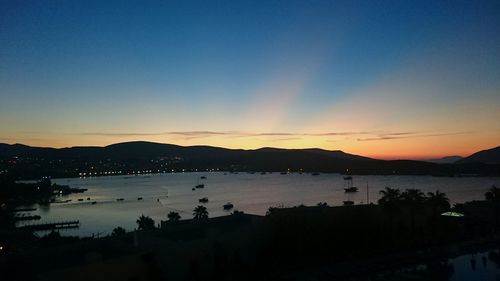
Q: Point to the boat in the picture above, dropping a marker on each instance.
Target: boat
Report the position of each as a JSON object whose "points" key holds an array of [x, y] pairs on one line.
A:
{"points": [[348, 203], [94, 202], [228, 206], [139, 198], [198, 184], [62, 201], [203, 177], [193, 188], [120, 199], [203, 200], [351, 189], [80, 199], [348, 185]]}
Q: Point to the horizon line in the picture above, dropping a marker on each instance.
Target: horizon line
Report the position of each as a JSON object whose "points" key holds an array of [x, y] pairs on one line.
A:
{"points": [[375, 157]]}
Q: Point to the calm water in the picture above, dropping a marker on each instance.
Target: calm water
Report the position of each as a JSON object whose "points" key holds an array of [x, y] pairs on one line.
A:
{"points": [[483, 266], [251, 193]]}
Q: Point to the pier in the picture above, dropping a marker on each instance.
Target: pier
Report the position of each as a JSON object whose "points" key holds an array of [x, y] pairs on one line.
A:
{"points": [[23, 210], [51, 226]]}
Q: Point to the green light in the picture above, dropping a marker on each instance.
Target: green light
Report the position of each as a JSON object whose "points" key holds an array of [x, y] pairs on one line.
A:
{"points": [[452, 214]]}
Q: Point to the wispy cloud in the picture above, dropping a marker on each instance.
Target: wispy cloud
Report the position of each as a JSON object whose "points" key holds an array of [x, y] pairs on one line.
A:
{"points": [[276, 136], [120, 134], [394, 136], [198, 133], [286, 139]]}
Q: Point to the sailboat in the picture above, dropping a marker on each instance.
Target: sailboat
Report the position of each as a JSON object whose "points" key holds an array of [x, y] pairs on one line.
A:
{"points": [[349, 189], [348, 185], [199, 185]]}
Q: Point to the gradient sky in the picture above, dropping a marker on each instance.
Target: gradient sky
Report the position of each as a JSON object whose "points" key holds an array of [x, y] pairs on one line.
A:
{"points": [[382, 79]]}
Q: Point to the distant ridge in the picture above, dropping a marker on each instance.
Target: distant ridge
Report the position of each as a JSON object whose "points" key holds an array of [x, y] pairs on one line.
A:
{"points": [[446, 159], [144, 149], [33, 162], [488, 156]]}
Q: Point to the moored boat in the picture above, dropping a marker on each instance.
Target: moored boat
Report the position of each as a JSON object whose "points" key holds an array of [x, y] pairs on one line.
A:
{"points": [[351, 189], [228, 206]]}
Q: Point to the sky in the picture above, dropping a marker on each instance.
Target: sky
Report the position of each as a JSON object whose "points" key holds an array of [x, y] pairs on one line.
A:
{"points": [[385, 79]]}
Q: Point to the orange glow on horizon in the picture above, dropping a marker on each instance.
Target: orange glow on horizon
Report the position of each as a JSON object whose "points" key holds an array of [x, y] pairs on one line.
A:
{"points": [[414, 147]]}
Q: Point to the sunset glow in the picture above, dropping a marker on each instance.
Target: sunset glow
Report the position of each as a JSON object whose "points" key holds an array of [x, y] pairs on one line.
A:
{"points": [[356, 78]]}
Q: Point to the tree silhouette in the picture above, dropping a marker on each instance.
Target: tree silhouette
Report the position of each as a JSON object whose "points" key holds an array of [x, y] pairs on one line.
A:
{"points": [[390, 200], [390, 203], [173, 216], [118, 231], [438, 202], [145, 223], [390, 197], [493, 195], [200, 213], [413, 199]]}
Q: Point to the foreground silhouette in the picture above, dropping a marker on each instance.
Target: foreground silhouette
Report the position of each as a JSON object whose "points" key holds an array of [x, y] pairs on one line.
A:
{"points": [[404, 229]]}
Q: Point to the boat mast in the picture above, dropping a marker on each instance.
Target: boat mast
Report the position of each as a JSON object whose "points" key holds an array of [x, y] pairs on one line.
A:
{"points": [[367, 194]]}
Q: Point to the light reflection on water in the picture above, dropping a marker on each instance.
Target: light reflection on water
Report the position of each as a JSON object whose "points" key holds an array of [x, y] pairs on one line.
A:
{"points": [[251, 193], [483, 266]]}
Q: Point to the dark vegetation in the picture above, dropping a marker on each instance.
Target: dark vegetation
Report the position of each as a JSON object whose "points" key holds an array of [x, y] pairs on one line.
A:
{"points": [[13, 194], [145, 223], [24, 162], [402, 221], [286, 239], [301, 239]]}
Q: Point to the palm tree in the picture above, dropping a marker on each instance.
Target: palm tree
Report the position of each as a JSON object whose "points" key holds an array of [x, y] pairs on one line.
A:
{"points": [[438, 201], [200, 213], [389, 196], [413, 198], [493, 195], [173, 216], [322, 204], [145, 223], [391, 199], [390, 202], [118, 231]]}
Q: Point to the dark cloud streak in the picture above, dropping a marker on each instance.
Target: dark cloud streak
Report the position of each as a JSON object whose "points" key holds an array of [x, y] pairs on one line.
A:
{"points": [[370, 135]]}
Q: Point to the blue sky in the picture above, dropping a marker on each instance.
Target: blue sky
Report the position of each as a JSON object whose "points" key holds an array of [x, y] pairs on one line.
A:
{"points": [[253, 73]]}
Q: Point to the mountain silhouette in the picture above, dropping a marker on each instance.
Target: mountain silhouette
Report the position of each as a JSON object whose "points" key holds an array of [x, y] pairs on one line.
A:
{"points": [[488, 156], [142, 155], [446, 159]]}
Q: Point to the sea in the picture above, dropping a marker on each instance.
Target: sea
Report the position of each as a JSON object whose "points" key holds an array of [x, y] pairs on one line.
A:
{"points": [[113, 201]]}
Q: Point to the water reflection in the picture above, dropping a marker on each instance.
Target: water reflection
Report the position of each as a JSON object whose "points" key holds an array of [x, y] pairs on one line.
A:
{"points": [[494, 256], [461, 268], [475, 266], [251, 193]]}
